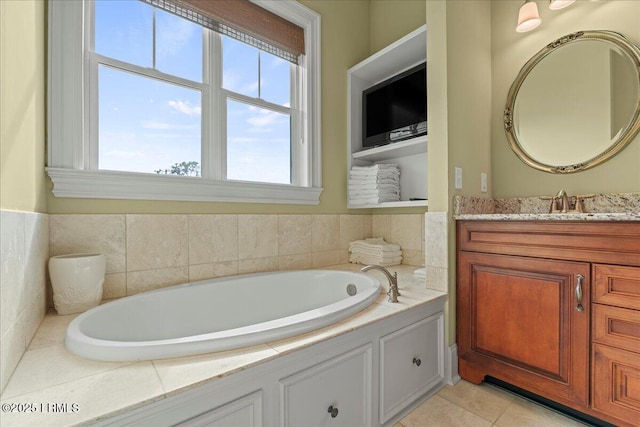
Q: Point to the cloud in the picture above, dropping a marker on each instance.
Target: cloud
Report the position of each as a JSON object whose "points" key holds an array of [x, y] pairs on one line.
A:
{"points": [[185, 107], [243, 140], [125, 154], [262, 142], [235, 81], [183, 136], [153, 124], [174, 35], [263, 118]]}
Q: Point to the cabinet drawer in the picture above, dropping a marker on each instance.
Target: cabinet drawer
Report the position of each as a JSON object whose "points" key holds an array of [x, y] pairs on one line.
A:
{"points": [[246, 411], [616, 376], [617, 327], [411, 363], [341, 385], [617, 285], [612, 242]]}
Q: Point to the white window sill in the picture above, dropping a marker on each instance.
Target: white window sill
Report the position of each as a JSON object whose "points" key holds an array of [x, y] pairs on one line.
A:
{"points": [[129, 185]]}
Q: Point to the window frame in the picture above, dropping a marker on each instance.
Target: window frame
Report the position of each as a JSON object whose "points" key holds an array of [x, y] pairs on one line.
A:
{"points": [[70, 124]]}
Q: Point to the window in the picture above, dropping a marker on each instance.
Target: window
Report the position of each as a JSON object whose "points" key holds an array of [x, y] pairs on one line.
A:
{"points": [[143, 96]]}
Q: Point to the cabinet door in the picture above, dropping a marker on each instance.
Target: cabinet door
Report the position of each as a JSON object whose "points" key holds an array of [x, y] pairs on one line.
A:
{"points": [[525, 321], [616, 376], [411, 363], [334, 393]]}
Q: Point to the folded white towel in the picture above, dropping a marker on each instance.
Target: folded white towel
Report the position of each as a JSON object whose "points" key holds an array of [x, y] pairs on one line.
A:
{"points": [[374, 193], [373, 181], [370, 201], [366, 260], [374, 250], [386, 257], [373, 201], [387, 247], [380, 174], [377, 166], [374, 243], [373, 186]]}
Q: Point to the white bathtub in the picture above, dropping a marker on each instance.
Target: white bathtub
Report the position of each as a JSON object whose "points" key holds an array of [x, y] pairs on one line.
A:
{"points": [[218, 314]]}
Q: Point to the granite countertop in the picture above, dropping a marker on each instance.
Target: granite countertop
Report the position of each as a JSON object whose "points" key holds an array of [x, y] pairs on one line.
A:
{"points": [[630, 216], [87, 390], [597, 207]]}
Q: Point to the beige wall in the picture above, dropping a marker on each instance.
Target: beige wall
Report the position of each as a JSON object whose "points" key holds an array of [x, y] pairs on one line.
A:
{"points": [[22, 106], [459, 100], [459, 95], [510, 50], [393, 19]]}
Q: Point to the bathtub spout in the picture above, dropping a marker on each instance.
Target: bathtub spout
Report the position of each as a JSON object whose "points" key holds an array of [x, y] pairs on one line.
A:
{"points": [[393, 280]]}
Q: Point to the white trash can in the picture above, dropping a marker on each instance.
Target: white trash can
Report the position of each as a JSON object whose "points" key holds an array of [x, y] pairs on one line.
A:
{"points": [[77, 281]]}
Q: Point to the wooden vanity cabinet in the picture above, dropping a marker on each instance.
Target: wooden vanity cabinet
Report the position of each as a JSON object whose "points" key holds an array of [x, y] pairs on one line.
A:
{"points": [[553, 308]]}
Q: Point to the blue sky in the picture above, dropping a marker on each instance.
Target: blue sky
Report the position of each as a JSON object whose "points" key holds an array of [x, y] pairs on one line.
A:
{"points": [[147, 124]]}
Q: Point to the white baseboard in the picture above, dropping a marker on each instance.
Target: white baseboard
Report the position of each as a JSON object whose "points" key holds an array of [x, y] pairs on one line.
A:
{"points": [[451, 375]]}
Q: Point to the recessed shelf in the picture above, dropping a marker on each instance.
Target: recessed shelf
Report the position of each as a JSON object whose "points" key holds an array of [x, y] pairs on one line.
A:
{"points": [[404, 148], [411, 154]]}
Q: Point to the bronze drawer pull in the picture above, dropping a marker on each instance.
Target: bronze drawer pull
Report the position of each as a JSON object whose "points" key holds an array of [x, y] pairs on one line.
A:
{"points": [[579, 306]]}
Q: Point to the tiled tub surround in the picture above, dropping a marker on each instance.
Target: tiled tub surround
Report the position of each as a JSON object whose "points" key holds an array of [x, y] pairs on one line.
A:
{"points": [[49, 373], [146, 252], [598, 207], [24, 252]]}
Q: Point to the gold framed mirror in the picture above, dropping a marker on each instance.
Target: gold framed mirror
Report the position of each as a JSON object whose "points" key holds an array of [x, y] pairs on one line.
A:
{"points": [[576, 103]]}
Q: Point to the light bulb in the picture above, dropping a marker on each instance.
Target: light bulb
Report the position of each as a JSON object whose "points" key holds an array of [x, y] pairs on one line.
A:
{"points": [[559, 4]]}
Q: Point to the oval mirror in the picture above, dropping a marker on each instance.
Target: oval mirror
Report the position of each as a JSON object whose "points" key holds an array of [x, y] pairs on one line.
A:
{"points": [[576, 103]]}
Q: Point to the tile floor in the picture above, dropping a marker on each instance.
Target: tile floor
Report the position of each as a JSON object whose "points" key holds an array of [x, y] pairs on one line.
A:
{"points": [[470, 405]]}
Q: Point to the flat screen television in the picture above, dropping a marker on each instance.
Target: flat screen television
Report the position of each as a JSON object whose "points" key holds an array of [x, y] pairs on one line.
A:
{"points": [[395, 109]]}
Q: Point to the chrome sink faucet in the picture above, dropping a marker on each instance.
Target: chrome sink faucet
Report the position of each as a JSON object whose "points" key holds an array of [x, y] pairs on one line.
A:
{"points": [[393, 280]]}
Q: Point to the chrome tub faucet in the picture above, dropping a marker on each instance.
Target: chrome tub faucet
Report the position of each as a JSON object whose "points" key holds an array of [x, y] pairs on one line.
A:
{"points": [[393, 292]]}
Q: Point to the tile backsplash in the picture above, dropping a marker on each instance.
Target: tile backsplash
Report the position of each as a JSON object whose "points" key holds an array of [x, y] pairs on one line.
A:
{"points": [[146, 252]]}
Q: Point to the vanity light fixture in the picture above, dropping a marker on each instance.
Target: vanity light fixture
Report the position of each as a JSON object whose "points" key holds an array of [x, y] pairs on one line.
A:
{"points": [[528, 17], [559, 4]]}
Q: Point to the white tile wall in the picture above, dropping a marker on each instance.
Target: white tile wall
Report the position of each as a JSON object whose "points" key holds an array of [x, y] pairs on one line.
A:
{"points": [[24, 251], [436, 250]]}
